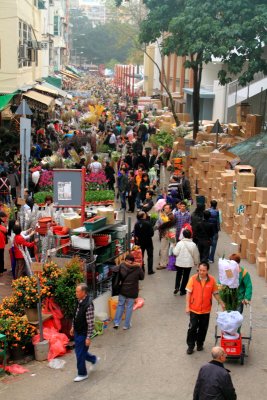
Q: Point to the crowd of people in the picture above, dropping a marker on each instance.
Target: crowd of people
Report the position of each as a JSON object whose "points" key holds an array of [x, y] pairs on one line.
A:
{"points": [[190, 239]]}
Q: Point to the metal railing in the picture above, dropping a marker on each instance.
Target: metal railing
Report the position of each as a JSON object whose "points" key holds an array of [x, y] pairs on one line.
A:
{"points": [[234, 86]]}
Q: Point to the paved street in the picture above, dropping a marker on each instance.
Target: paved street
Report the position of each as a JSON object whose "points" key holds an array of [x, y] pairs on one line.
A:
{"points": [[149, 361]]}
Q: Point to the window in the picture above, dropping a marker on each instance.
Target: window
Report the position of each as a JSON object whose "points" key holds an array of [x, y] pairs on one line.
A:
{"points": [[25, 35], [56, 25]]}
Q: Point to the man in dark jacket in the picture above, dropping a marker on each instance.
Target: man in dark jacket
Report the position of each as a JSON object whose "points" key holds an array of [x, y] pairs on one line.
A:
{"points": [[123, 187], [143, 233], [82, 330], [130, 274], [214, 381], [204, 233], [215, 221]]}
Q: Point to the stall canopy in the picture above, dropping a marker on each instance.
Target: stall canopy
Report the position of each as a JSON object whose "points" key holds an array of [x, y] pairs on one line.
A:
{"points": [[69, 75], [73, 70], [54, 80], [61, 92], [5, 99], [41, 98], [43, 88]]}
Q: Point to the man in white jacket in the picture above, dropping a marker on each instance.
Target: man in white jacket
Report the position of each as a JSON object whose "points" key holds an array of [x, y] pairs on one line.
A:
{"points": [[187, 256]]}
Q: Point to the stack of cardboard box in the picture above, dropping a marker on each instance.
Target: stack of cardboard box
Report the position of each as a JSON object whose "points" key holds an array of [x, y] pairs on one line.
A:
{"points": [[243, 206]]}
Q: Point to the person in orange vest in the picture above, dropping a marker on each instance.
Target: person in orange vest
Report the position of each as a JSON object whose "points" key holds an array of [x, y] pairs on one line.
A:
{"points": [[200, 289]]}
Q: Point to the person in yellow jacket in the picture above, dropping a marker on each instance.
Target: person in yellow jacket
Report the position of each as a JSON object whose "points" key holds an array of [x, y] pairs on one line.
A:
{"points": [[200, 289]]}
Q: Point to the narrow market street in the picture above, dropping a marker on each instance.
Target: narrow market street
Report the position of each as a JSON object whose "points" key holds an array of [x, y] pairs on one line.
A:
{"points": [[149, 361]]}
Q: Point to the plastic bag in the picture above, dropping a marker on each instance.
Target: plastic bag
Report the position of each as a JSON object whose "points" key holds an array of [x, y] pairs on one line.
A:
{"points": [[56, 363], [171, 263], [15, 369], [50, 307], [137, 254], [229, 322], [57, 342], [139, 302], [228, 273]]}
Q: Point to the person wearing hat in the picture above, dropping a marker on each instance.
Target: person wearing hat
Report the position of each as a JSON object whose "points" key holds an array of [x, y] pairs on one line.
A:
{"points": [[3, 241]]}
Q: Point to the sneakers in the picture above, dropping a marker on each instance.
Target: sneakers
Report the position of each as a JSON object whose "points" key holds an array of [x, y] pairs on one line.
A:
{"points": [[125, 328], [115, 326], [176, 291], [80, 378], [93, 366], [189, 350]]}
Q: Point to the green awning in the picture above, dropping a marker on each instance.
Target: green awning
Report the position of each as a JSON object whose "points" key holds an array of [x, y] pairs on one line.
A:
{"points": [[54, 80], [73, 70], [5, 99]]}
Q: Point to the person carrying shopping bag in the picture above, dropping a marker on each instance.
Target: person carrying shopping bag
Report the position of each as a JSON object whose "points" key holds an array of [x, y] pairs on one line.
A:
{"points": [[187, 256], [130, 274]]}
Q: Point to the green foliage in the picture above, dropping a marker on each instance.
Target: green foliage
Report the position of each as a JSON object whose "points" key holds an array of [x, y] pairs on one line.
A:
{"points": [[163, 139], [66, 286], [103, 148], [229, 297], [39, 197], [99, 195]]}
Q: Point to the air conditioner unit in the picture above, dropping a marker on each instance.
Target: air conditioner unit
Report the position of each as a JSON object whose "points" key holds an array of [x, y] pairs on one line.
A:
{"points": [[34, 44], [23, 51]]}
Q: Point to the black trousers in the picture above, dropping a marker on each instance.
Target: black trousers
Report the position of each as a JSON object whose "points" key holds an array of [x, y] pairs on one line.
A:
{"points": [[149, 249], [2, 262], [204, 250], [131, 202], [197, 330], [182, 273]]}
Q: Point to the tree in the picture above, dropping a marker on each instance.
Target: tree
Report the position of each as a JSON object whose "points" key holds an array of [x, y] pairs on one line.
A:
{"points": [[233, 31]]}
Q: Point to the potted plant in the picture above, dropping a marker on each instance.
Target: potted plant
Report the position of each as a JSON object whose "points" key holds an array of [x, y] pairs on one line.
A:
{"points": [[26, 293], [46, 180], [10, 306], [19, 334], [96, 181], [65, 290], [39, 197], [50, 275]]}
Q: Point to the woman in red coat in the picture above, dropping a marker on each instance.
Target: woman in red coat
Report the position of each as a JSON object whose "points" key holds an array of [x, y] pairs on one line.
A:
{"points": [[19, 241]]}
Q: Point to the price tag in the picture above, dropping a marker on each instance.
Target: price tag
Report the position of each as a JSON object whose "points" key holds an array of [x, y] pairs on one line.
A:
{"points": [[37, 267], [229, 273]]}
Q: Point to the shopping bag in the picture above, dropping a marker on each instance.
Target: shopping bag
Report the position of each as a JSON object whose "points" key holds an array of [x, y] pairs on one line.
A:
{"points": [[171, 263]]}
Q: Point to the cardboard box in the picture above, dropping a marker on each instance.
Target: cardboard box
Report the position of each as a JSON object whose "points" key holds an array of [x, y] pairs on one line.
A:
{"points": [[254, 208], [233, 129], [253, 124], [244, 180], [261, 195], [251, 257], [256, 233], [261, 264], [242, 110], [72, 223]]}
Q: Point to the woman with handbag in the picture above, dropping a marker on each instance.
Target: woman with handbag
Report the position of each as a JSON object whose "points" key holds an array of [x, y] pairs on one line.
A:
{"points": [[187, 256]]}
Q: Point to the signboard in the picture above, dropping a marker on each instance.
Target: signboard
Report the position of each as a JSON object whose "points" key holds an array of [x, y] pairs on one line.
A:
{"points": [[68, 187], [37, 267]]}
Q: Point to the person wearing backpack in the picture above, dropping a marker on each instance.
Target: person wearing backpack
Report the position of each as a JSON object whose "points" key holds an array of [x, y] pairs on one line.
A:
{"points": [[143, 233], [4, 188], [130, 274], [187, 256]]}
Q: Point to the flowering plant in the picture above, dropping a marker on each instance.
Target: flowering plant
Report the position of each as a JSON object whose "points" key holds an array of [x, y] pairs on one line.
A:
{"points": [[10, 306], [18, 331], [26, 293], [51, 274], [46, 180], [96, 180]]}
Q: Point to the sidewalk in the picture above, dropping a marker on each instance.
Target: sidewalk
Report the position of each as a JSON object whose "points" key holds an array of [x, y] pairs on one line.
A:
{"points": [[149, 361]]}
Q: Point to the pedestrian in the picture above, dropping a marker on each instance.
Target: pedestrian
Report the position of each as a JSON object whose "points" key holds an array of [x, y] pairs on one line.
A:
{"points": [[200, 289], [143, 233], [244, 291], [123, 187], [4, 188], [187, 256], [182, 217], [148, 202], [215, 221], [132, 191], [110, 175], [214, 380], [164, 224], [19, 241], [144, 186], [3, 241], [130, 274], [196, 217], [82, 330], [204, 232], [95, 166]]}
